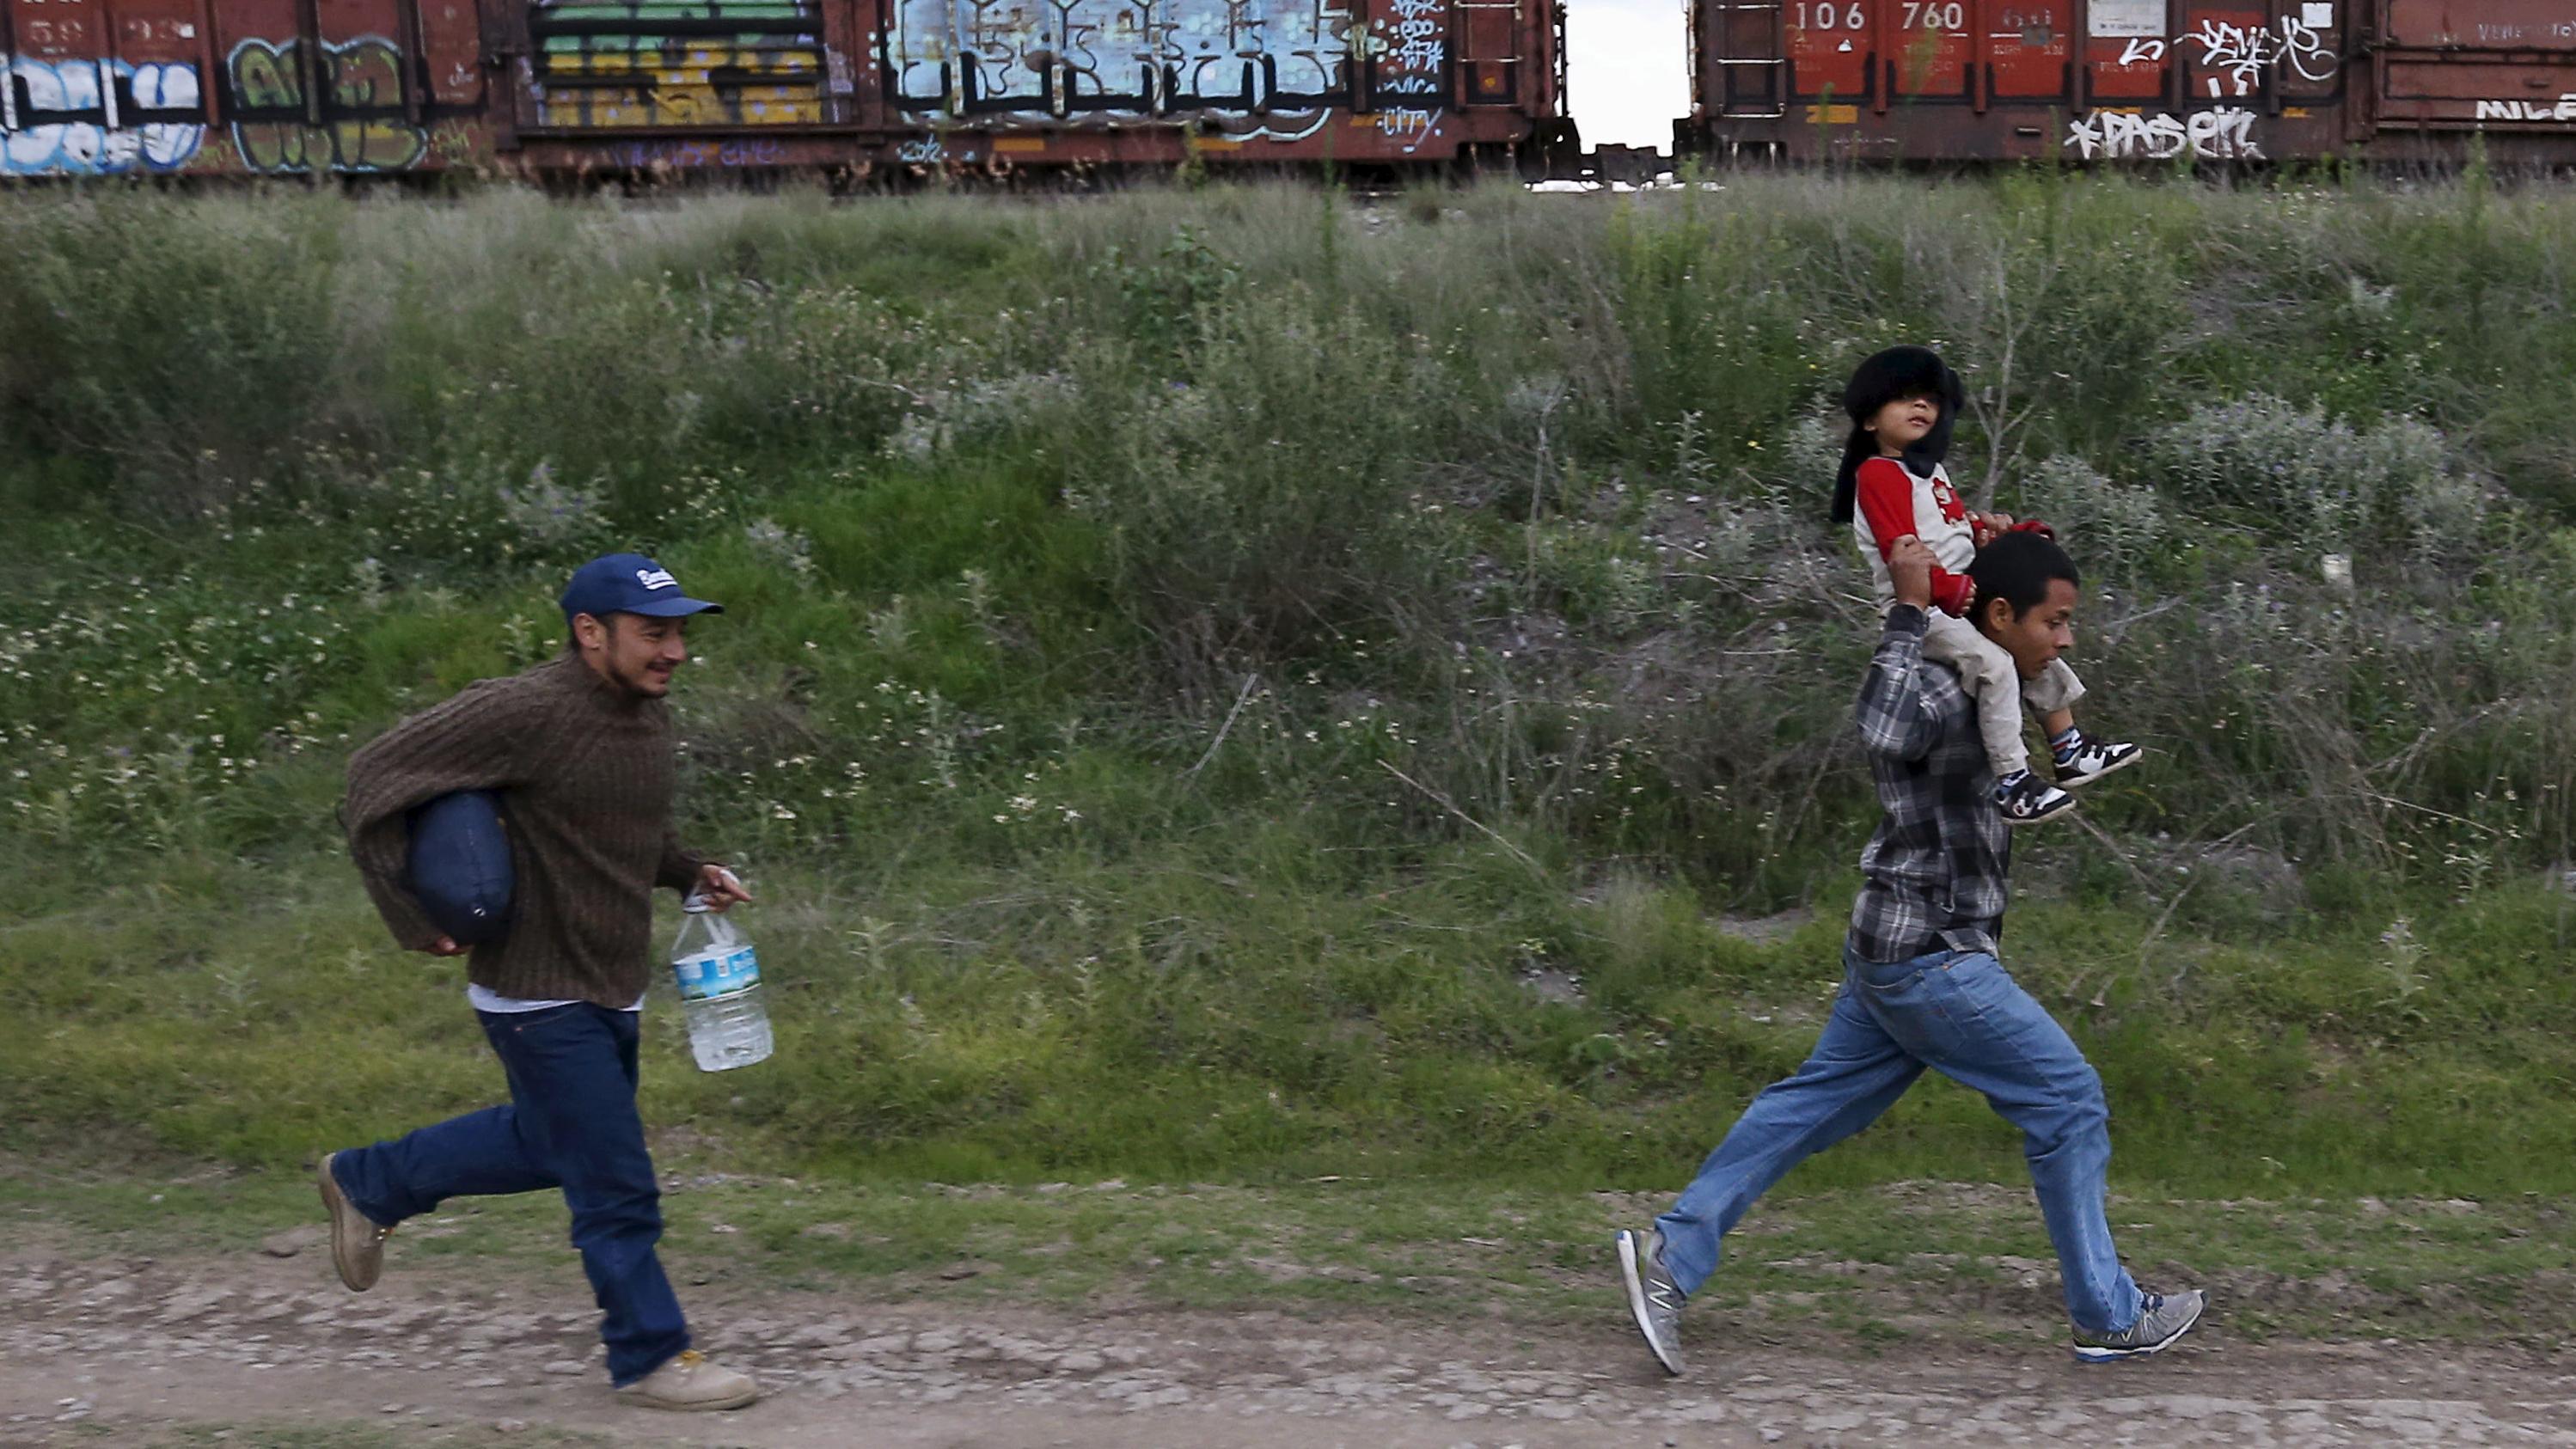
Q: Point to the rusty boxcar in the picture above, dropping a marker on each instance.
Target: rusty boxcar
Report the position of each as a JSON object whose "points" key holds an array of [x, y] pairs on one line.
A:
{"points": [[852, 86], [2227, 80]]}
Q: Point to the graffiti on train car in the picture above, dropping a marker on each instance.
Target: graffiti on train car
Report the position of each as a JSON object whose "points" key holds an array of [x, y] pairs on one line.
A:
{"points": [[364, 126], [97, 118], [1413, 69], [2559, 111], [697, 155], [2238, 56], [2533, 35], [607, 63], [2225, 133], [1274, 70]]}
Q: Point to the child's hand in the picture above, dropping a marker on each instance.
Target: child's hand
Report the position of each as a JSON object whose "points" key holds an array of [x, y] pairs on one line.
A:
{"points": [[1909, 568]]}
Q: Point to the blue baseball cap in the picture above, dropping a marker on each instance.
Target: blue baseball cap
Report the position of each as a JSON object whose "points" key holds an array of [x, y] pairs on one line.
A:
{"points": [[629, 583]]}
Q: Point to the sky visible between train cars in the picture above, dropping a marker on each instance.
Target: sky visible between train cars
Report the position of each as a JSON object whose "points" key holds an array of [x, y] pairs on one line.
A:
{"points": [[1627, 70]]}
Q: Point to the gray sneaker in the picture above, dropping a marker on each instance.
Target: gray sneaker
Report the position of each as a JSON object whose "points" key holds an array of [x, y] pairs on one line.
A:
{"points": [[357, 1241], [2166, 1317], [1654, 1299]]}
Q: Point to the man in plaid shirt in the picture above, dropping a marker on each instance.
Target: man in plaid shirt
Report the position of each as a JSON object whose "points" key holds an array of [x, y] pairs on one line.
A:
{"points": [[1922, 986]]}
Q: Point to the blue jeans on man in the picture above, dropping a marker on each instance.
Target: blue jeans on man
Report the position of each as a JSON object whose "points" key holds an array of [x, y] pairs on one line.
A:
{"points": [[1959, 1013], [571, 1124]]}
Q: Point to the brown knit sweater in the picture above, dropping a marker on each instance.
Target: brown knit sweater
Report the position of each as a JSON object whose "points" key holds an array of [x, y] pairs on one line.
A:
{"points": [[585, 775]]}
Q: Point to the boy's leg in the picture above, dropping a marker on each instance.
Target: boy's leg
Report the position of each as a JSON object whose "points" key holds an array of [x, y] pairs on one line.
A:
{"points": [[2080, 758], [1970, 1022], [1987, 673], [1854, 1074], [573, 1071], [2053, 694]]}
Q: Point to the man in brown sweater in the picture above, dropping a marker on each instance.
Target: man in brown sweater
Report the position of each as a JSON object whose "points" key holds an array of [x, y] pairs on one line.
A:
{"points": [[579, 752]]}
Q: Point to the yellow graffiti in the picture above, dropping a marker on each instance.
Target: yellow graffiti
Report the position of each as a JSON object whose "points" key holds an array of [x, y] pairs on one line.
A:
{"points": [[337, 146], [265, 80], [461, 144], [695, 85], [692, 66], [363, 76]]}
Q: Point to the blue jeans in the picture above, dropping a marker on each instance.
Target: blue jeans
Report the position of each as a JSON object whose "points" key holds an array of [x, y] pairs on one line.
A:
{"points": [[572, 1124], [1960, 1014]]}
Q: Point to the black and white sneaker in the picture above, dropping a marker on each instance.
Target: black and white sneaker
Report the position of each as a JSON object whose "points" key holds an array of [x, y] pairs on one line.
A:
{"points": [[2093, 759], [2026, 799], [2166, 1317], [1654, 1299]]}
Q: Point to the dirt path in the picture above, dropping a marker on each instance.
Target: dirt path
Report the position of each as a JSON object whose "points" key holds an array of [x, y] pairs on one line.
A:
{"points": [[137, 1350]]}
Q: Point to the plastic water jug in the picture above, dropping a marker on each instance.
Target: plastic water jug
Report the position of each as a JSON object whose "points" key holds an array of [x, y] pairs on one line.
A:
{"points": [[719, 979]]}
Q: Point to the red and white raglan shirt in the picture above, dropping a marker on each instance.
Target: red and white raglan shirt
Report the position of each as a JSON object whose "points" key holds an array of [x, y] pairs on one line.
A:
{"points": [[1890, 502]]}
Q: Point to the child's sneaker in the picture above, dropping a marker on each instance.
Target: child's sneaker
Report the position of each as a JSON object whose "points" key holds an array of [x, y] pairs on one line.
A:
{"points": [[2091, 759], [2027, 799]]}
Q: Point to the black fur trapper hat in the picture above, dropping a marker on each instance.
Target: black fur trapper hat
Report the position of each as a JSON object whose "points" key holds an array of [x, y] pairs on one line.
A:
{"points": [[1882, 378]]}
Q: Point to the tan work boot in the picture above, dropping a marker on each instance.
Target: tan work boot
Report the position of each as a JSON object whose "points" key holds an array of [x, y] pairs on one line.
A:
{"points": [[688, 1381], [357, 1241]]}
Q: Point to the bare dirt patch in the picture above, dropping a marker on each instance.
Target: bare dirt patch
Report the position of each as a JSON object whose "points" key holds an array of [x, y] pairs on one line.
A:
{"points": [[148, 1351]]}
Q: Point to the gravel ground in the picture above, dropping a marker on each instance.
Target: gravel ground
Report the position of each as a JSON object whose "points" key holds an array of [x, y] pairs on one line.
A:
{"points": [[144, 1351]]}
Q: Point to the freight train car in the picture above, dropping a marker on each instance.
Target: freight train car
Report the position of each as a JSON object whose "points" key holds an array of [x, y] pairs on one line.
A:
{"points": [[848, 87], [2123, 80]]}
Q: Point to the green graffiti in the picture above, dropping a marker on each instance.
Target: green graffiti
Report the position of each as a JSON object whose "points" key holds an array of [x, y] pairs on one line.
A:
{"points": [[363, 127]]}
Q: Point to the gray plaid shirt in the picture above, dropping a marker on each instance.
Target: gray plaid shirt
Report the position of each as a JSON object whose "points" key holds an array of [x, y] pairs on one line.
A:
{"points": [[1933, 875]]}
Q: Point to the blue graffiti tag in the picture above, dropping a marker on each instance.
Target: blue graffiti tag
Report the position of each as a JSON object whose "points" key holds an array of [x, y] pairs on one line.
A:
{"points": [[72, 126]]}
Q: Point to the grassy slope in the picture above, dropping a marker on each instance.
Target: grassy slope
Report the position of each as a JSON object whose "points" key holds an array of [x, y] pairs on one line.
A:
{"points": [[1095, 569]]}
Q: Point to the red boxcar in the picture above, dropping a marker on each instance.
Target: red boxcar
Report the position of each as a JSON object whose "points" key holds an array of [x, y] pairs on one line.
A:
{"points": [[857, 86], [2119, 80]]}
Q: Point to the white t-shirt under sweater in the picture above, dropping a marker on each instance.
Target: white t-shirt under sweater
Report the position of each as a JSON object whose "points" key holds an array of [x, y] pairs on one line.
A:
{"points": [[485, 1000]]}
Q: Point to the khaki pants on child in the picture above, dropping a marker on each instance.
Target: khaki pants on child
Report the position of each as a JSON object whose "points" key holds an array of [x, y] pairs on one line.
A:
{"points": [[1986, 672]]}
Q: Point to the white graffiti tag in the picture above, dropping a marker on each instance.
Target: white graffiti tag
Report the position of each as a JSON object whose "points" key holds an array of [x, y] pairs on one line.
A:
{"points": [[2562, 109], [2225, 134], [1413, 52], [1404, 122], [2242, 53]]}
